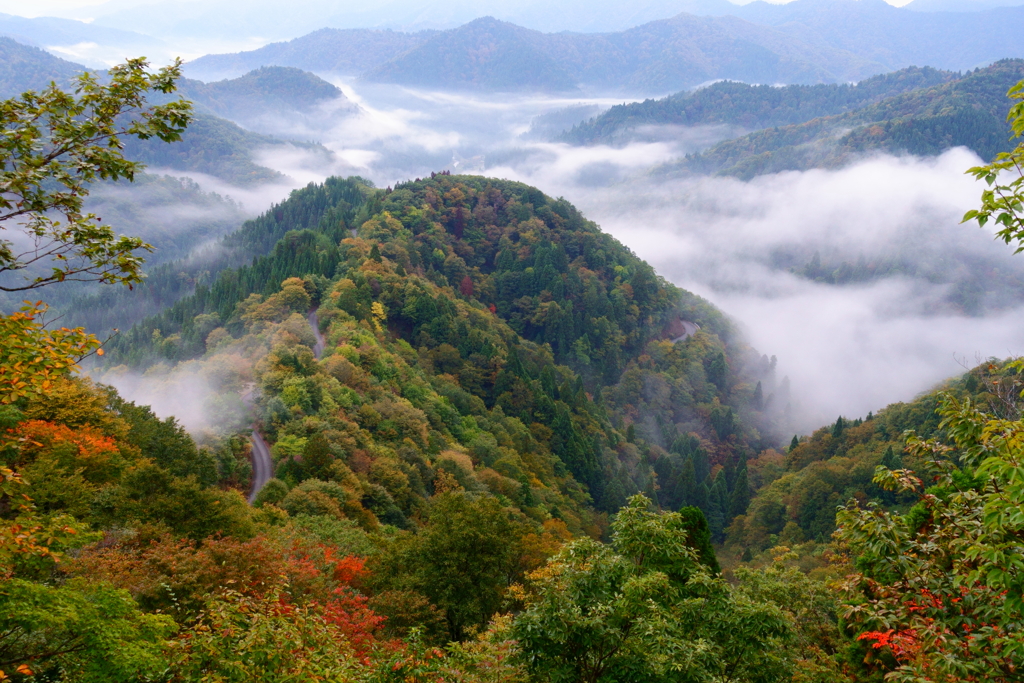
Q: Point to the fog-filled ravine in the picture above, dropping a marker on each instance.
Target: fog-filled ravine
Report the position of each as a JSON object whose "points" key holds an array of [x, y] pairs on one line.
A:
{"points": [[861, 279]]}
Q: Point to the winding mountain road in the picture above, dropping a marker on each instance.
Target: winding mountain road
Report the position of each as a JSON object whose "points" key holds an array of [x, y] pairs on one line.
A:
{"points": [[262, 463], [689, 329], [314, 322]]}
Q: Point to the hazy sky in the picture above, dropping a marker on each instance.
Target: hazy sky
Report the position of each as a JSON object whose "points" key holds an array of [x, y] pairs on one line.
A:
{"points": [[86, 9]]}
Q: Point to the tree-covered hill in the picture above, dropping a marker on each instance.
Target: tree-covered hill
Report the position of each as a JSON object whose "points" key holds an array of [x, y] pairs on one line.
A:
{"points": [[276, 93], [749, 107], [266, 86], [475, 277], [215, 145], [969, 112]]}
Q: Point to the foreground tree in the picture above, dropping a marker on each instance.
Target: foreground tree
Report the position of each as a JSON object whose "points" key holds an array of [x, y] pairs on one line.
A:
{"points": [[1003, 202], [645, 608], [462, 561], [55, 145], [240, 638], [939, 591]]}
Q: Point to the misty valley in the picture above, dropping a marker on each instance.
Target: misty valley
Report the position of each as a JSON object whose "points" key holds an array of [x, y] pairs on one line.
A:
{"points": [[512, 343]]}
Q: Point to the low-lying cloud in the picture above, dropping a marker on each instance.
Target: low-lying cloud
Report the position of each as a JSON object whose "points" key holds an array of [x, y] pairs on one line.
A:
{"points": [[848, 348], [205, 397]]}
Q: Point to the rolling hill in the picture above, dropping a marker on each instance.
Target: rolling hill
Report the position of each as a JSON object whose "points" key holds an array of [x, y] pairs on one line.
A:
{"points": [[969, 111], [746, 106]]}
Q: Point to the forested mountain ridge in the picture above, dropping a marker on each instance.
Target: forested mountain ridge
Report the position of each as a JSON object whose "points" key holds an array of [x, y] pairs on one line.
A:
{"points": [[749, 107], [485, 54], [664, 55], [533, 270], [968, 111]]}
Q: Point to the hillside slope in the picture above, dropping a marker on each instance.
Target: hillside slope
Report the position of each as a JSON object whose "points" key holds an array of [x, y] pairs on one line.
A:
{"points": [[749, 107], [797, 494], [471, 274], [29, 68]]}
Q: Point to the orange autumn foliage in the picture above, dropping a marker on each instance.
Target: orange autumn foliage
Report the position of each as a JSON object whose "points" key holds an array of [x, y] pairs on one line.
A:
{"points": [[348, 609], [177, 574], [83, 447]]}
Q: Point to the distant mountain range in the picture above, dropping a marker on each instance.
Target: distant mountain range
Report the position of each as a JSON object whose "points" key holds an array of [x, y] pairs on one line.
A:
{"points": [[493, 55], [221, 20], [328, 50], [806, 41], [969, 111]]}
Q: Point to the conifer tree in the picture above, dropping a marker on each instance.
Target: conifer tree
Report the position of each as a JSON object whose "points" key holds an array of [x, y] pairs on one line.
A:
{"points": [[891, 459], [718, 371], [718, 507], [701, 465], [699, 537], [740, 498], [686, 485]]}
